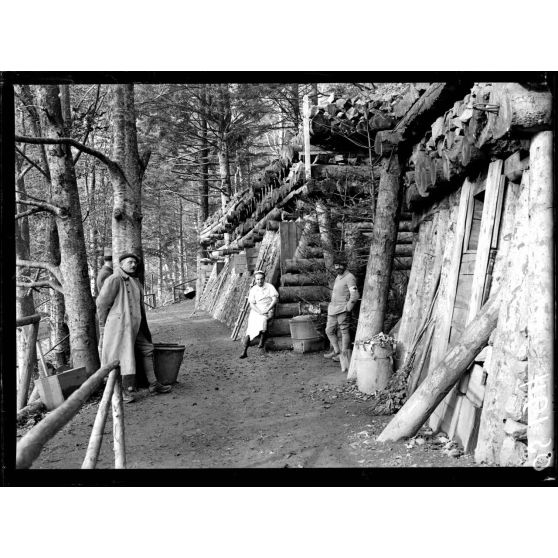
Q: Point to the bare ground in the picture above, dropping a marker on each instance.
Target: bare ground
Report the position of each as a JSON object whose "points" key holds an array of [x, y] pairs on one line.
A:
{"points": [[271, 410]]}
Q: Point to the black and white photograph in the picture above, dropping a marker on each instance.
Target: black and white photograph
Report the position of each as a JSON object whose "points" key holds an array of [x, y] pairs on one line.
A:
{"points": [[238, 274]]}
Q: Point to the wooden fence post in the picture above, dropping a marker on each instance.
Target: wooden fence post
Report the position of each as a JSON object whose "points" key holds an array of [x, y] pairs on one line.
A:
{"points": [[28, 365], [99, 426], [30, 446], [118, 424]]}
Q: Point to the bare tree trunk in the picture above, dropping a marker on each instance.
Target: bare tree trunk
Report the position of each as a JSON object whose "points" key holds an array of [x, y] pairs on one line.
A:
{"points": [[73, 259], [181, 276], [380, 260], [324, 225], [223, 151], [57, 308], [314, 94], [126, 216], [295, 103], [24, 299]]}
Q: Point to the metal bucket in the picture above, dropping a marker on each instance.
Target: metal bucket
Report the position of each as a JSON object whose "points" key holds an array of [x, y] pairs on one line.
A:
{"points": [[167, 358], [302, 327], [374, 368], [304, 334]]}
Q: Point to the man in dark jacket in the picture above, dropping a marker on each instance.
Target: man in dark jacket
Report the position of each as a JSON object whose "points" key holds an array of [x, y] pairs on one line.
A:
{"points": [[106, 270], [124, 326]]}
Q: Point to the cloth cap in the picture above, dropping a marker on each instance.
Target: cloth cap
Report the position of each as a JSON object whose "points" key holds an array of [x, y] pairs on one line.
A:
{"points": [[129, 255], [259, 272]]}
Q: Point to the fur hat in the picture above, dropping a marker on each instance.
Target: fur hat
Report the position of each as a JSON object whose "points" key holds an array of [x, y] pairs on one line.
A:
{"points": [[129, 255]]}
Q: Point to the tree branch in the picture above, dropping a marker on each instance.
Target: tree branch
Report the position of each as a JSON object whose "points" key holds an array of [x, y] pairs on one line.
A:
{"points": [[37, 284], [45, 206], [42, 265], [33, 164], [23, 214], [113, 166]]}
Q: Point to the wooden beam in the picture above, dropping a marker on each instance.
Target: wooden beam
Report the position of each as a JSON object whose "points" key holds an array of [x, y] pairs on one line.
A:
{"points": [[30, 446], [33, 319], [447, 301], [540, 278], [444, 376], [490, 215]]}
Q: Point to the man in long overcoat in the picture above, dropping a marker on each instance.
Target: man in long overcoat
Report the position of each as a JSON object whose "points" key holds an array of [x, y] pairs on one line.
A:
{"points": [[124, 326]]}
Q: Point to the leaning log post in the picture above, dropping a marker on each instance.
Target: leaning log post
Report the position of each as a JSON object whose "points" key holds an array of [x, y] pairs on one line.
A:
{"points": [[380, 262], [540, 280], [29, 361], [96, 438], [118, 425], [31, 445], [444, 376]]}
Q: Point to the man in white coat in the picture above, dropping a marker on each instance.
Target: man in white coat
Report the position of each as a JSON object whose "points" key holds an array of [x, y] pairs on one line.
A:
{"points": [[262, 298]]}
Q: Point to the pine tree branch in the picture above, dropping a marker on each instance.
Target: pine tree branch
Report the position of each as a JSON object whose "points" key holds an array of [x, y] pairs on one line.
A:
{"points": [[42, 265]]}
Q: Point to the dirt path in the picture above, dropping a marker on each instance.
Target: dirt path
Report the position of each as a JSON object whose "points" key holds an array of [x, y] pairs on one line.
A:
{"points": [[271, 410]]}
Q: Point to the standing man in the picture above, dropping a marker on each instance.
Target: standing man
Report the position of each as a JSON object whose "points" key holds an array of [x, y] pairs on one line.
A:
{"points": [[343, 299], [106, 270], [124, 326], [262, 298]]}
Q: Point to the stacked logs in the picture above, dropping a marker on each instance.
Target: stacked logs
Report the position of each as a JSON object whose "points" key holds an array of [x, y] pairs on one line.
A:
{"points": [[351, 118], [249, 210], [475, 128]]}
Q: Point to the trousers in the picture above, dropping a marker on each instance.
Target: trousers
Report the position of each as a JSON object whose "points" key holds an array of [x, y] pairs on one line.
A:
{"points": [[341, 321]]}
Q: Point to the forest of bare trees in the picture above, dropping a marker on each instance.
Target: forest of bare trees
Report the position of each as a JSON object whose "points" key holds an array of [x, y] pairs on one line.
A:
{"points": [[133, 168]]}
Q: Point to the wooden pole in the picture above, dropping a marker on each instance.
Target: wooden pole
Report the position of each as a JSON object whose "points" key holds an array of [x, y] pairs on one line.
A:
{"points": [[118, 425], [379, 267], [30, 446], [33, 319], [28, 365], [439, 381], [324, 226], [96, 438], [540, 280], [306, 132]]}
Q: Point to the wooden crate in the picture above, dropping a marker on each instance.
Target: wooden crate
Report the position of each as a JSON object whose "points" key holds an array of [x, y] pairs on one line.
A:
{"points": [[308, 345], [53, 390]]}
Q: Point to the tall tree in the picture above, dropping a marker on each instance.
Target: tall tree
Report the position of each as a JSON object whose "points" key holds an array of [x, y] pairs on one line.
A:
{"points": [[127, 184]]}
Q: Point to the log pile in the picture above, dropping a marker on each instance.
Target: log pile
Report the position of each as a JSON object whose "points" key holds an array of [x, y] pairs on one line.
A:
{"points": [[354, 121], [484, 124]]}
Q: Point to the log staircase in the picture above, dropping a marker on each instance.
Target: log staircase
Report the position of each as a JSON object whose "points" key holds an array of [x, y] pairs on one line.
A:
{"points": [[303, 287]]}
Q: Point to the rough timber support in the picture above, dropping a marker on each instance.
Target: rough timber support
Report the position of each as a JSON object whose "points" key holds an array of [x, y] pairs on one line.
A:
{"points": [[540, 280]]}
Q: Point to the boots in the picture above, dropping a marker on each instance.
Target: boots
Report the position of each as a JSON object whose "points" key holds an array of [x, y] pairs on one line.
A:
{"points": [[245, 344], [263, 337], [128, 388], [154, 385]]}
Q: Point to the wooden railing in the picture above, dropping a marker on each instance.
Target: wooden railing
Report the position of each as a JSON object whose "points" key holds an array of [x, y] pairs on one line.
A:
{"points": [[31, 445]]}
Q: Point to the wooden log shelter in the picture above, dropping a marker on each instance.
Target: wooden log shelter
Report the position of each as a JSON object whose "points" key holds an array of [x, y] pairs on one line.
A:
{"points": [[463, 174]]}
